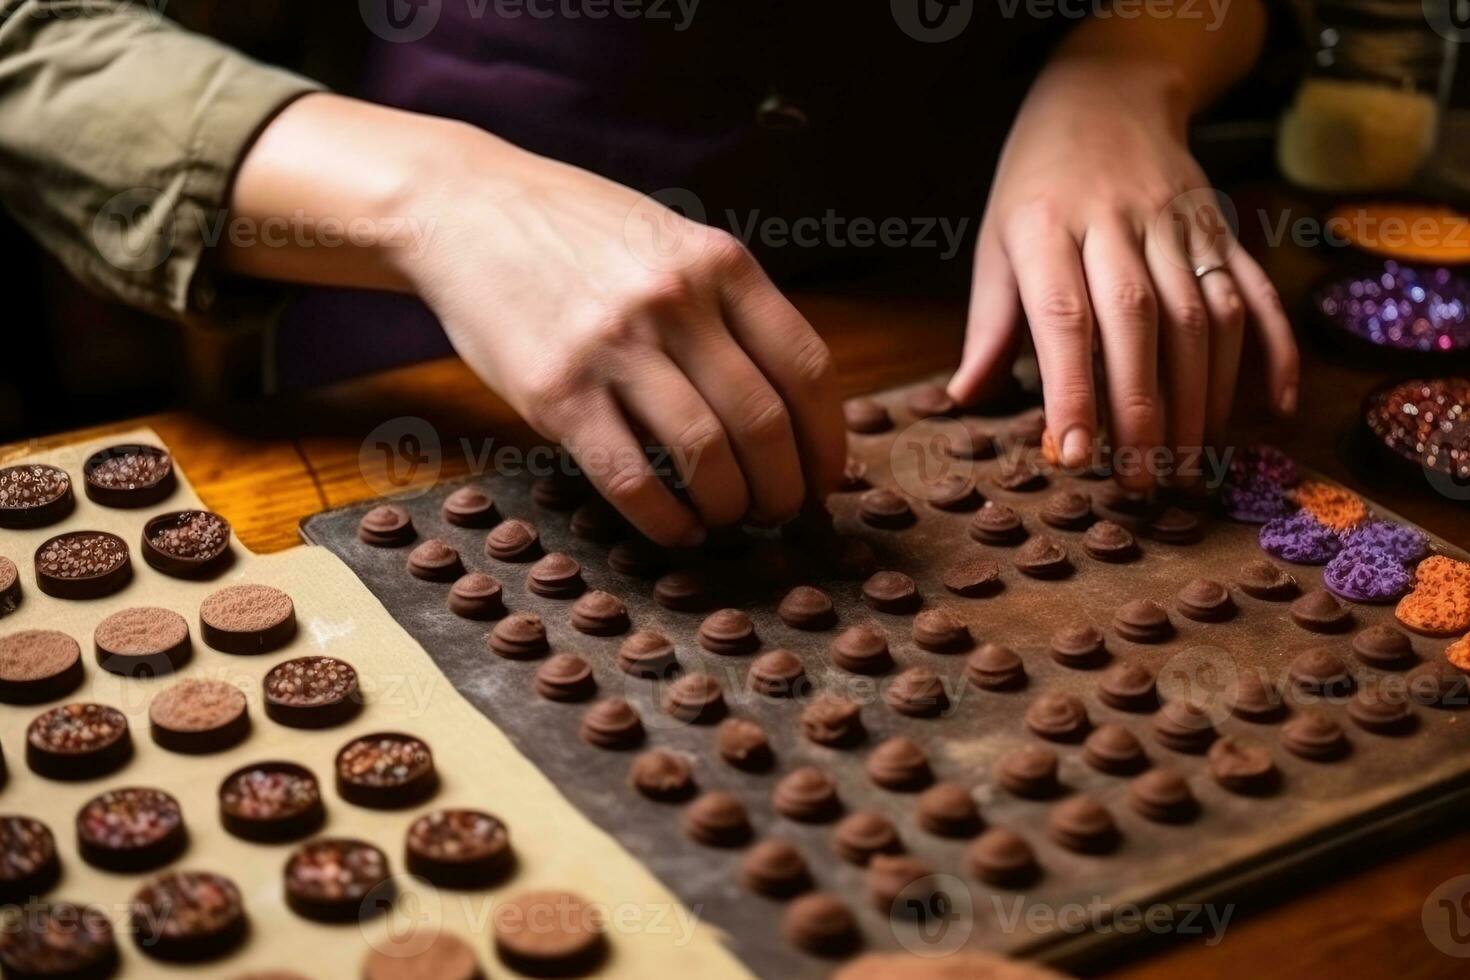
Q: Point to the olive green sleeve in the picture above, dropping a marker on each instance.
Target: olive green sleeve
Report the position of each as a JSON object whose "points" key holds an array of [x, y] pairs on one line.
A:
{"points": [[119, 135]]}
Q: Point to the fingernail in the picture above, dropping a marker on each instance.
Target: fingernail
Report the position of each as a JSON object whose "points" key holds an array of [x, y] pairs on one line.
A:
{"points": [[694, 538], [1288, 400], [1076, 444]]}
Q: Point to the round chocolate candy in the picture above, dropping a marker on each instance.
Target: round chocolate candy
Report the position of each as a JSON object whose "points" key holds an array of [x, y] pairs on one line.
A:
{"points": [[1384, 647], [458, 849], [728, 631], [833, 720], [891, 592], [611, 723], [1243, 765], [144, 641], [332, 878], [312, 692], [129, 476], [1067, 510], [743, 744], [271, 802], [661, 775], [1057, 716], [599, 613], [247, 619], [1042, 557], [83, 565], [1312, 734], [973, 577], [58, 941], [1321, 671], [1128, 686], [996, 524], [917, 692], [415, 955], [519, 636], [1143, 621], [1382, 709], [820, 924], [1184, 727], [774, 868], [29, 866], [10, 590], [861, 650], [952, 492], [565, 677], [78, 741], [198, 715], [778, 674], [561, 489], [1320, 612], [556, 576], [186, 543], [1110, 541], [550, 933], [929, 401], [898, 763], [862, 834], [974, 440], [900, 885], [696, 698], [513, 540], [806, 794], [435, 560], [131, 829], [947, 810], [866, 416], [637, 556], [1080, 823], [717, 819], [807, 608], [1175, 525], [1205, 601], [995, 668], [469, 506], [597, 520], [854, 559], [1001, 857], [1257, 697], [38, 666], [1030, 772], [1078, 645], [385, 526], [476, 595], [682, 591], [1163, 796], [941, 631], [1261, 578], [386, 771], [1111, 748], [34, 495], [647, 654], [1019, 476], [886, 509]]}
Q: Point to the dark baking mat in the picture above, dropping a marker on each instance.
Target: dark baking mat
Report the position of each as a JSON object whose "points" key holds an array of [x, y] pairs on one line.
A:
{"points": [[1387, 785]]}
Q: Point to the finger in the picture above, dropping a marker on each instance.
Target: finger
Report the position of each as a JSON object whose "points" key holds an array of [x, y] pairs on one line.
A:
{"points": [[1184, 343], [1126, 307], [752, 415], [1227, 330], [1264, 305], [1048, 272], [666, 406], [609, 455], [990, 331]]}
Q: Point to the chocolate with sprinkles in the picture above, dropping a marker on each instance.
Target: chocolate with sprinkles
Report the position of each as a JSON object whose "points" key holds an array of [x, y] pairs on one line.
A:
{"points": [[1426, 422], [386, 771], [131, 829], [29, 866], [129, 476], [186, 543], [271, 802], [186, 916], [83, 565], [57, 942], [458, 849], [312, 692], [327, 880], [10, 593], [38, 666], [34, 495], [78, 741]]}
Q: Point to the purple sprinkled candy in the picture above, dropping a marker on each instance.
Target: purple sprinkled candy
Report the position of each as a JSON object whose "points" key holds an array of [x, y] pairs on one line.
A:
{"points": [[1300, 539], [1402, 307], [1255, 501], [1397, 541], [1363, 575], [1262, 462]]}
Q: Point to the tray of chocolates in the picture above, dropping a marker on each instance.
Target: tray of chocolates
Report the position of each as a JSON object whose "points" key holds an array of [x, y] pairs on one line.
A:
{"points": [[981, 702]]}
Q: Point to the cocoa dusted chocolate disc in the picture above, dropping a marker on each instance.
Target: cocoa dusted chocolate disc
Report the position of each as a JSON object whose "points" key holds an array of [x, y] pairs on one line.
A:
{"points": [[29, 866], [854, 476], [186, 543], [1261, 578], [682, 591], [131, 829], [661, 775], [478, 596], [1257, 698], [806, 794], [1384, 647], [1123, 505], [819, 923], [330, 880], [83, 565], [1079, 645], [78, 741], [271, 802], [696, 698], [941, 631], [717, 819], [774, 868], [559, 490], [597, 520], [862, 650], [599, 613], [1163, 796], [1111, 748], [519, 636], [929, 401], [947, 810], [1067, 510], [866, 416], [917, 692], [1019, 476], [406, 956], [1128, 686], [886, 509], [973, 578], [854, 559], [833, 720], [1184, 727], [565, 677], [647, 654], [807, 608], [435, 560], [743, 744], [385, 526], [1243, 765], [1110, 541], [1044, 558], [514, 540], [1205, 601], [1314, 735], [862, 834], [458, 849], [1319, 670], [130, 476], [1029, 772], [10, 591], [1080, 823], [898, 763], [1143, 621], [59, 941], [1321, 612], [1057, 716], [556, 576], [198, 715], [38, 666], [144, 641], [311, 692], [729, 632], [997, 524], [778, 674], [386, 771], [995, 668], [900, 885], [247, 619], [550, 933], [1001, 857], [637, 556], [953, 492], [611, 723], [1439, 684], [1174, 525], [34, 495], [470, 506], [1382, 709], [891, 592]]}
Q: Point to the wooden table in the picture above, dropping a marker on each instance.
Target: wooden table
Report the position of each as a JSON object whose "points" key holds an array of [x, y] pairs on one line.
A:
{"points": [[266, 467]]}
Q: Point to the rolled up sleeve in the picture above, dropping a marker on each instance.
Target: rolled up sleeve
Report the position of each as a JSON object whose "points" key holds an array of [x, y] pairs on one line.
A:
{"points": [[120, 133]]}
